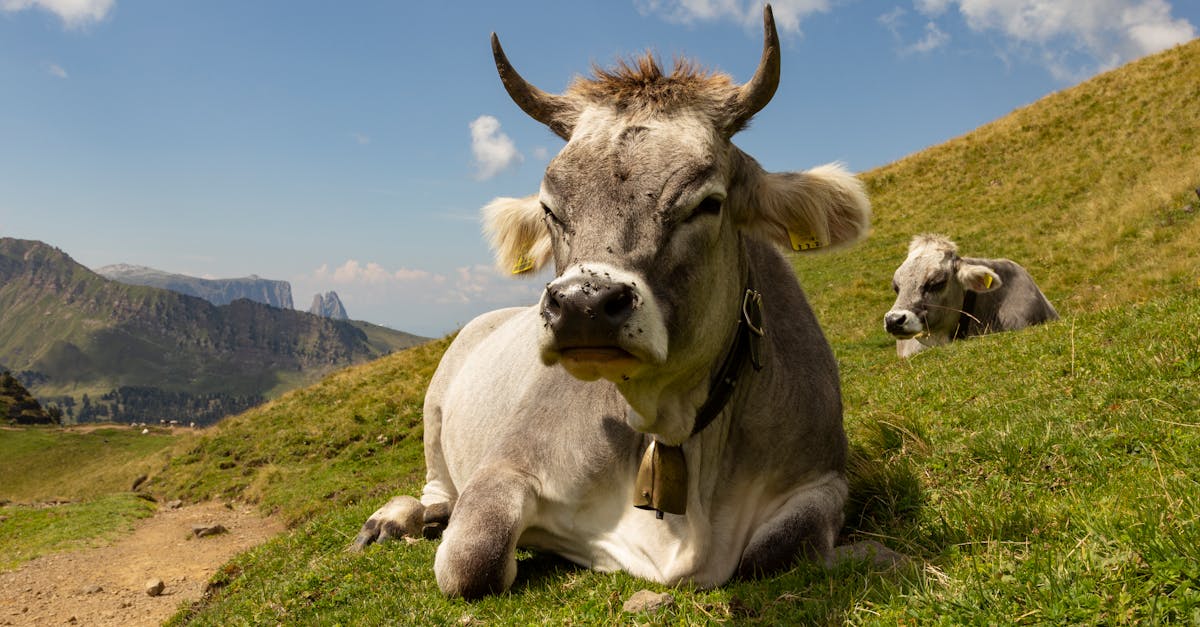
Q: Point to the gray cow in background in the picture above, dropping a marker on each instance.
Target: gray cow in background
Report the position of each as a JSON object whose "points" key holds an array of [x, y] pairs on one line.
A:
{"points": [[941, 297]]}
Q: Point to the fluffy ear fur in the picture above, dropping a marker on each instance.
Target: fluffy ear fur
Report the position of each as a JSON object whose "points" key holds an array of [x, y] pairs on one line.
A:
{"points": [[518, 235], [827, 204], [978, 278]]}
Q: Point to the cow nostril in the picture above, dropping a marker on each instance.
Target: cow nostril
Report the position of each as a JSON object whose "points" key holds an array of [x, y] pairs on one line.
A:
{"points": [[619, 304]]}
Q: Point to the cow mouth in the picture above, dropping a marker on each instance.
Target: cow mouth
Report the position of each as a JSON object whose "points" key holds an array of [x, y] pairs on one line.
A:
{"points": [[598, 354], [595, 362]]}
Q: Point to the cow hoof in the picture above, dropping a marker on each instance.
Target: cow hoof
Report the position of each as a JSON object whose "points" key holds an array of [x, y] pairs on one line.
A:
{"points": [[403, 516]]}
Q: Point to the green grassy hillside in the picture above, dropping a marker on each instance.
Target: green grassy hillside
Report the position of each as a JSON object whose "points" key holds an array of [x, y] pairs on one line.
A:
{"points": [[1092, 189]]}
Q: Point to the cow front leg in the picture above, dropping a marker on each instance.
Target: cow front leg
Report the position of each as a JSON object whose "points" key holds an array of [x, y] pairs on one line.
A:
{"points": [[478, 551], [806, 526]]}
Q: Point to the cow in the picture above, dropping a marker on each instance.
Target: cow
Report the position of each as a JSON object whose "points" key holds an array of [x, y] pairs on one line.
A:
{"points": [[941, 297], [669, 407]]}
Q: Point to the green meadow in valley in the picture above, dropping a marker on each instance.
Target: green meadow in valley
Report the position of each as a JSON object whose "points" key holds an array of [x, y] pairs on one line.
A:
{"points": [[1047, 476]]}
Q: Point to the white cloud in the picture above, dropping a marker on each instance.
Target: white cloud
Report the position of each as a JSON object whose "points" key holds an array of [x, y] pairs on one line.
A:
{"points": [[493, 150], [932, 39], [73, 13], [1073, 38], [362, 139], [420, 301], [371, 273], [788, 13], [56, 70]]}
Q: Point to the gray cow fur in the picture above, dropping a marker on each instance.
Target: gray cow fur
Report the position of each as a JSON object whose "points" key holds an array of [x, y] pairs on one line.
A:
{"points": [[657, 228], [942, 297]]}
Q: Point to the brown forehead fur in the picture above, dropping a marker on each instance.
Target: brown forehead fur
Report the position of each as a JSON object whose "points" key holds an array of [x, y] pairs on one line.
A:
{"points": [[641, 86]]}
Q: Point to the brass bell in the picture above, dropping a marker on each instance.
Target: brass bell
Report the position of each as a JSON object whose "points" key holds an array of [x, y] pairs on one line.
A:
{"points": [[662, 483]]}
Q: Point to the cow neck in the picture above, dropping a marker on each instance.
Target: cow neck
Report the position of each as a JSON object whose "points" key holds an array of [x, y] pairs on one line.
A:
{"points": [[965, 317], [662, 483]]}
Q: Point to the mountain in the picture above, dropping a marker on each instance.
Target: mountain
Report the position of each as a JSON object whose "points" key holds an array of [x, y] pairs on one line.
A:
{"points": [[102, 349], [328, 306], [18, 406], [216, 291]]}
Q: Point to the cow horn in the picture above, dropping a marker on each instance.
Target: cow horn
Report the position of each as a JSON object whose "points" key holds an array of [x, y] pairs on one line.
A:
{"points": [[757, 92], [541, 106]]}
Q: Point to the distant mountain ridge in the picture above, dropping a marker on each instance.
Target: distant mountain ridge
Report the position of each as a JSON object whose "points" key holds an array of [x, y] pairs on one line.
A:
{"points": [[216, 291], [106, 349], [328, 306]]}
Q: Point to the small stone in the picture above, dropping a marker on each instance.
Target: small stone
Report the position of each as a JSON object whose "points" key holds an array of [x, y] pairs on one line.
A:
{"points": [[201, 531], [875, 553], [155, 587], [176, 504], [647, 601], [92, 589]]}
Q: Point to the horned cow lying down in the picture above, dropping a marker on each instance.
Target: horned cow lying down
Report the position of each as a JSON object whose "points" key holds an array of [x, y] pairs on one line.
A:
{"points": [[941, 297], [670, 407]]}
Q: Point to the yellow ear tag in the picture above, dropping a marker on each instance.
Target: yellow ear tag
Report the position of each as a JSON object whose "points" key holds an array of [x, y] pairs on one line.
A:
{"points": [[806, 241], [524, 264], [987, 281]]}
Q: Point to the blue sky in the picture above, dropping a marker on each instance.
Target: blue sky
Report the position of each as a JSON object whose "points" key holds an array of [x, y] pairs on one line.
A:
{"points": [[348, 146]]}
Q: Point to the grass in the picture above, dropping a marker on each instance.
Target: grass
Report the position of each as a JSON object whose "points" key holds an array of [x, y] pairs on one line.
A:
{"points": [[50, 463], [28, 531], [1046, 476], [354, 435]]}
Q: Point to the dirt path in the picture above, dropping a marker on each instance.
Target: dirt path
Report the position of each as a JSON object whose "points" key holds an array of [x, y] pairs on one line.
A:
{"points": [[107, 586]]}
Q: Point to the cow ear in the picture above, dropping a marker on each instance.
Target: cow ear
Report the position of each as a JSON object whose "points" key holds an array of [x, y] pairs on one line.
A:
{"points": [[815, 209], [518, 235], [978, 278]]}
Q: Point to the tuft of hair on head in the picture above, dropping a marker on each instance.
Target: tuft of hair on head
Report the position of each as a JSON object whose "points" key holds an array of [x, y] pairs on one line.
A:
{"points": [[641, 84], [931, 242]]}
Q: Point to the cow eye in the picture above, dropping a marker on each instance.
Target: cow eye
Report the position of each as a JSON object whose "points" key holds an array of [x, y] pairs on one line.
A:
{"points": [[710, 206], [936, 286], [549, 214]]}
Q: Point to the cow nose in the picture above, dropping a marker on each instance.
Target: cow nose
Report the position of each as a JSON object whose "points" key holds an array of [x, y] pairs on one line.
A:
{"points": [[587, 311], [894, 321]]}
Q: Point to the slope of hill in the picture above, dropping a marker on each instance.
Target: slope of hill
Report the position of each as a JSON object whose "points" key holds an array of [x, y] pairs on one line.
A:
{"points": [[97, 346], [18, 406], [1093, 189], [216, 291]]}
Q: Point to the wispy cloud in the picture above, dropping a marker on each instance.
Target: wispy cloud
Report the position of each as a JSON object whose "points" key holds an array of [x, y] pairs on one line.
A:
{"points": [[362, 139], [73, 13], [788, 13], [1072, 38], [352, 271], [494, 151], [416, 299], [931, 39], [56, 70]]}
